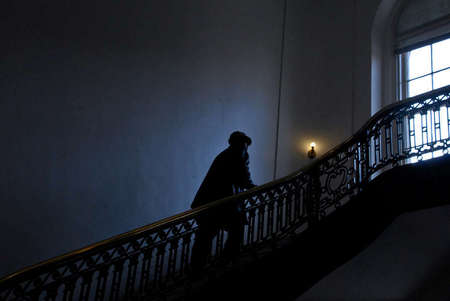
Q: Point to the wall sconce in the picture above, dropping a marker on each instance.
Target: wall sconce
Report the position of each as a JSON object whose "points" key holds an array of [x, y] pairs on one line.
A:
{"points": [[312, 152]]}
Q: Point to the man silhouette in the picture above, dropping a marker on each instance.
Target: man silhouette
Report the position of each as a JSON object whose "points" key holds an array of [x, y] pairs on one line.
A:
{"points": [[228, 175]]}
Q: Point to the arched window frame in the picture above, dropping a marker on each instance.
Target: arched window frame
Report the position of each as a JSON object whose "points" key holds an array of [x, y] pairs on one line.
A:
{"points": [[413, 37], [385, 67]]}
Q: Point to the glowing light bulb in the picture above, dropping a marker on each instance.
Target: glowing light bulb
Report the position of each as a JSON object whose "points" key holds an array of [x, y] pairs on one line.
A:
{"points": [[312, 152]]}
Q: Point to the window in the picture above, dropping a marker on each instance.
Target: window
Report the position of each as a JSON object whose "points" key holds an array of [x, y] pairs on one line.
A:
{"points": [[421, 70], [424, 69]]}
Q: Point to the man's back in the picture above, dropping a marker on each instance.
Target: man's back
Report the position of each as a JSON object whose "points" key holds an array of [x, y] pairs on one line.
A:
{"points": [[228, 174]]}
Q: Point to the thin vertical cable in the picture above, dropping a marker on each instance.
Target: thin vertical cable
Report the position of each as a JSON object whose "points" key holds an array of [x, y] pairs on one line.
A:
{"points": [[280, 88], [352, 124]]}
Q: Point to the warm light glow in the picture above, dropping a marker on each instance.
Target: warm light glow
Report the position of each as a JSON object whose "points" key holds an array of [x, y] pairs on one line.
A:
{"points": [[312, 152], [304, 145]]}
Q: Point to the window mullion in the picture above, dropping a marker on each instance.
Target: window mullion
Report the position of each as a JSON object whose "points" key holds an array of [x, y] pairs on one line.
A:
{"points": [[404, 64]]}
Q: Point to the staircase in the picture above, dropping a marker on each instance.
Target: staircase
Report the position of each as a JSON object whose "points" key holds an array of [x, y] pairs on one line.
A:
{"points": [[294, 222]]}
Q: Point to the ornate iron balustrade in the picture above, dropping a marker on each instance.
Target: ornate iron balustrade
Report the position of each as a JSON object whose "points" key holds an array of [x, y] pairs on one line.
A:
{"points": [[150, 261]]}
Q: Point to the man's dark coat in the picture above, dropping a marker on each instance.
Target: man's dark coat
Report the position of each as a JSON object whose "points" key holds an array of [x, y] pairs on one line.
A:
{"points": [[229, 174]]}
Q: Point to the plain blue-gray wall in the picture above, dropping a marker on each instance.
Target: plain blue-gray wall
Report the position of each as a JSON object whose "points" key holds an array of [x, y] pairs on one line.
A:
{"points": [[112, 111]]}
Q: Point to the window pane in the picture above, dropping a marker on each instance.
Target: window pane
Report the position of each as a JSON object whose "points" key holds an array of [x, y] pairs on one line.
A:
{"points": [[419, 62], [441, 55], [419, 86], [441, 79]]}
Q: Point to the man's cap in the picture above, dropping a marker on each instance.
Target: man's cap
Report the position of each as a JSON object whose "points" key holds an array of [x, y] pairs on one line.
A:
{"points": [[239, 137]]}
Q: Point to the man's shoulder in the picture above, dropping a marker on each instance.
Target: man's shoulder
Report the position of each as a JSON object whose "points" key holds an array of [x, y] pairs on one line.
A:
{"points": [[224, 158], [227, 157], [223, 155]]}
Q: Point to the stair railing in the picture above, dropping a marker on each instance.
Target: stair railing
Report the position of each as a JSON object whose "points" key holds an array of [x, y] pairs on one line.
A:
{"points": [[153, 260]]}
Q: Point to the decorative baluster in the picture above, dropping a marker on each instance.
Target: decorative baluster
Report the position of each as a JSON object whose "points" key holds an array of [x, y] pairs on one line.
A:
{"points": [[424, 126], [437, 125], [377, 141], [159, 264], [69, 288], [360, 163], [289, 213], [412, 132], [116, 280], [86, 286], [400, 138], [144, 285], [370, 155], [280, 207], [186, 246], [270, 221], [313, 199], [380, 148], [382, 144], [369, 164], [172, 261], [431, 127], [305, 198], [101, 283], [131, 276], [388, 141], [356, 164], [251, 226], [261, 222]]}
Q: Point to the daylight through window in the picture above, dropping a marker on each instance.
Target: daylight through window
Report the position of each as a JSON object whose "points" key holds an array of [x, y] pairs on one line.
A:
{"points": [[421, 70]]}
